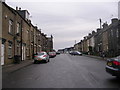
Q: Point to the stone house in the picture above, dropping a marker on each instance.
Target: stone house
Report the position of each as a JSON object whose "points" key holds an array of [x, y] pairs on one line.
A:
{"points": [[105, 38], [50, 43], [8, 36], [113, 38], [98, 41], [19, 36]]}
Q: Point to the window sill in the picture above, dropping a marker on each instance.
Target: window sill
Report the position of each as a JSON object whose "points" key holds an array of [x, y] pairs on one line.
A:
{"points": [[10, 34], [10, 57]]}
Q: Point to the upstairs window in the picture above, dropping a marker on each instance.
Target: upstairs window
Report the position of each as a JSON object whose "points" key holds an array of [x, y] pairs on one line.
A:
{"points": [[10, 26], [111, 32], [18, 27], [117, 33]]}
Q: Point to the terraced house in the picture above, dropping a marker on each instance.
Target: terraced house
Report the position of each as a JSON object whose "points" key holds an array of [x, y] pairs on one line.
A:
{"points": [[105, 40], [19, 36]]}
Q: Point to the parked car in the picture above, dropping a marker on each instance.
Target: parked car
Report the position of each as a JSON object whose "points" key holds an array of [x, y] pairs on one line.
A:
{"points": [[75, 53], [41, 56], [57, 53], [113, 66], [52, 54]]}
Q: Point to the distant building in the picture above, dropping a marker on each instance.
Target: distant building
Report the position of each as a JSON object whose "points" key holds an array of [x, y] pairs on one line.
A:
{"points": [[105, 38], [98, 41], [50, 43]]}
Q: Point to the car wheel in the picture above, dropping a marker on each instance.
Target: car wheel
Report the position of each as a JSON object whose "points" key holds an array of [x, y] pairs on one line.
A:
{"points": [[48, 60], [118, 77], [35, 61]]}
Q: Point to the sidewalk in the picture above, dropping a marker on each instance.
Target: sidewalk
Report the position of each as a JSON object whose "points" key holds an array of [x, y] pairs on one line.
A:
{"points": [[14, 67], [97, 57]]}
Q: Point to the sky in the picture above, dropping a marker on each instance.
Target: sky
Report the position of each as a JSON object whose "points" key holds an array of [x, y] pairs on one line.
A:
{"points": [[68, 20]]}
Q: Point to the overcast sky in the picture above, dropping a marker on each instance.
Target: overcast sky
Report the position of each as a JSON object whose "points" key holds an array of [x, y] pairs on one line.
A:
{"points": [[68, 20]]}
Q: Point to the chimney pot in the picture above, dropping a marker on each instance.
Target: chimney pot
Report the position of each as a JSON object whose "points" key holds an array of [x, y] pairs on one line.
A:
{"points": [[19, 8]]}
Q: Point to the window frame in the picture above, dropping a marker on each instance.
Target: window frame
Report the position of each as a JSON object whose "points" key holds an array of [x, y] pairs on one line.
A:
{"points": [[18, 27]]}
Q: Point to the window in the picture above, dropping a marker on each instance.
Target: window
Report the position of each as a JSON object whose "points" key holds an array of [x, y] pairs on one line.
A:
{"points": [[117, 33], [27, 50], [27, 34], [10, 50], [27, 31], [32, 36], [18, 27], [10, 26], [111, 32]]}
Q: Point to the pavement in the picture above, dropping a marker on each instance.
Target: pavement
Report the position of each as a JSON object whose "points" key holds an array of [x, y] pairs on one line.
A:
{"points": [[14, 67], [97, 57]]}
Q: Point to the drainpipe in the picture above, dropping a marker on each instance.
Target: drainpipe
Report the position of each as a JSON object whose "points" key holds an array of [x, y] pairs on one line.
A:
{"points": [[33, 44], [21, 38]]}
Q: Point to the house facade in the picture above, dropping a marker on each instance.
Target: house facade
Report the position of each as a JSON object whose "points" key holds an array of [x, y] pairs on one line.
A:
{"points": [[19, 36], [1, 54], [8, 36], [113, 38]]}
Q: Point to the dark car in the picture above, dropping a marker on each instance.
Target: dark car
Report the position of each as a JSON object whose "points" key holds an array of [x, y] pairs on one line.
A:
{"points": [[113, 66], [52, 54], [75, 53], [57, 53]]}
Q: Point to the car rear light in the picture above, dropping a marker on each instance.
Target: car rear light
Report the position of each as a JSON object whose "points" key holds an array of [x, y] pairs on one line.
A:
{"points": [[116, 63], [35, 56], [45, 56]]}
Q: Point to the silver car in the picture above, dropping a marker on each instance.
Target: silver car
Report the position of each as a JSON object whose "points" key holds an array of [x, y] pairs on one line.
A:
{"points": [[41, 56]]}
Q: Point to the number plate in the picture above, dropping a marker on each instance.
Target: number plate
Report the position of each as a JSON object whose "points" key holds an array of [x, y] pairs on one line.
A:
{"points": [[109, 64]]}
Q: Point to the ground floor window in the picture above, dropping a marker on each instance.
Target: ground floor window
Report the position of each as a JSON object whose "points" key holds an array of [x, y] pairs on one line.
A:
{"points": [[9, 50], [18, 48]]}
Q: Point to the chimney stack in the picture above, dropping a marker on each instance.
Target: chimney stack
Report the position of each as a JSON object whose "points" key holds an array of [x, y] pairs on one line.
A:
{"points": [[93, 32], [98, 29], [105, 25], [16, 8], [114, 20]]}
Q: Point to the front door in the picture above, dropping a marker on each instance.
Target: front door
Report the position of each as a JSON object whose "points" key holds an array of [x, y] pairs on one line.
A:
{"points": [[23, 53], [2, 54]]}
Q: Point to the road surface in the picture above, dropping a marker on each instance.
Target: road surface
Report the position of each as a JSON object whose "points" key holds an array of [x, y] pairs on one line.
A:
{"points": [[63, 71]]}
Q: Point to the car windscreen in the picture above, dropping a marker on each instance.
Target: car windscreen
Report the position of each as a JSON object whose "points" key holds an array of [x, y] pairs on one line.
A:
{"points": [[51, 52], [118, 58], [41, 53]]}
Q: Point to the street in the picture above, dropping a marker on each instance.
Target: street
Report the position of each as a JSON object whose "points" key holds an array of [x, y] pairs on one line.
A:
{"points": [[63, 71]]}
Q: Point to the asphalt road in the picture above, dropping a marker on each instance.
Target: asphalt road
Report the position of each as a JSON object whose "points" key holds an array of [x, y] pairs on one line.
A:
{"points": [[63, 71]]}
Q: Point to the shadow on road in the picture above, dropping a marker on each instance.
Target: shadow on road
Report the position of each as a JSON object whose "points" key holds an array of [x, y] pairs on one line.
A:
{"points": [[114, 80], [41, 62]]}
